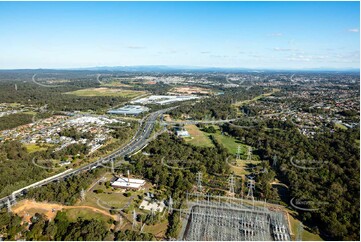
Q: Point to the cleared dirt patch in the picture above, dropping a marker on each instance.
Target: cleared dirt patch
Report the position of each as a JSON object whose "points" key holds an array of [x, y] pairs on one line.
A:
{"points": [[28, 208], [191, 90]]}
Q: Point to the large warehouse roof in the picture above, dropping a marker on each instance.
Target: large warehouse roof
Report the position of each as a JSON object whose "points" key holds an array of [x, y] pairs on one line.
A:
{"points": [[124, 182], [130, 110]]}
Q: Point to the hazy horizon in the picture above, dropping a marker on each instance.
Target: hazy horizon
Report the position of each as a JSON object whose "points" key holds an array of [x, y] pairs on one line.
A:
{"points": [[252, 35]]}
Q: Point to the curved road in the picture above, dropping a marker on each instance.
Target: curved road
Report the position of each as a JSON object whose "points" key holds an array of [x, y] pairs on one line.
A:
{"points": [[139, 140]]}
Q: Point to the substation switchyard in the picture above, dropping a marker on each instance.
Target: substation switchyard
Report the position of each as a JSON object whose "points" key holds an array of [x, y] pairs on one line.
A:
{"points": [[218, 218]]}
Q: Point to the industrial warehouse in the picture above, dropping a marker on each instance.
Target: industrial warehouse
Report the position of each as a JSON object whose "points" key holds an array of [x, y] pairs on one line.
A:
{"points": [[129, 110], [128, 183], [164, 99]]}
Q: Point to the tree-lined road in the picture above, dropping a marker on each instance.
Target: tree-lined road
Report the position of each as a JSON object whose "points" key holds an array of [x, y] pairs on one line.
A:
{"points": [[139, 140]]}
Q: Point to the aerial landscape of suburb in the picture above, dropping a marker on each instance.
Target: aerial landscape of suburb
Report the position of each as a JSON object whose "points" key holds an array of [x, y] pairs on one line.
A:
{"points": [[179, 121]]}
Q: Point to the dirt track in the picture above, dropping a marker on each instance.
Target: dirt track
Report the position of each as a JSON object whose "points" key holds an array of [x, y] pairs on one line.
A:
{"points": [[27, 208]]}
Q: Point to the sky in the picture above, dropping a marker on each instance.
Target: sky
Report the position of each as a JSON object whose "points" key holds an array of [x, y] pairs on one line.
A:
{"points": [[274, 35]]}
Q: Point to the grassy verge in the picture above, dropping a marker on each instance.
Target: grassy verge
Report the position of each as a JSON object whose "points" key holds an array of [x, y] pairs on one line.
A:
{"points": [[306, 235]]}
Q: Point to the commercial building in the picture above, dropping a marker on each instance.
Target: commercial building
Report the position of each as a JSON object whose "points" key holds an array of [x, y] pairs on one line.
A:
{"points": [[129, 110], [128, 183], [164, 99], [182, 133]]}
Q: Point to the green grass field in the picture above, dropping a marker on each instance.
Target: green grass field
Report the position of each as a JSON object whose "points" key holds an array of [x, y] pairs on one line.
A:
{"points": [[306, 235], [74, 213], [241, 167], [198, 138], [30, 112], [340, 126], [31, 148], [230, 143], [107, 92], [158, 229]]}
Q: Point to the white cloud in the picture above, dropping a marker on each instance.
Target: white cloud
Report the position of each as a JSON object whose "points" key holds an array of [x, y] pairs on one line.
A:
{"points": [[353, 30], [344, 57]]}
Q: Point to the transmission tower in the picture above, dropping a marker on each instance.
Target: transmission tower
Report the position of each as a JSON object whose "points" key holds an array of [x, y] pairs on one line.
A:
{"points": [[82, 194], [141, 228], [199, 181], [170, 204], [231, 185], [8, 204], [275, 159], [238, 154], [13, 198], [299, 232], [249, 156], [112, 165], [134, 219], [251, 187]]}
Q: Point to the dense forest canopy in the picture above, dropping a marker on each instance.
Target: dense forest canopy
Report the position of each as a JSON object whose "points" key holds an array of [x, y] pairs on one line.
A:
{"points": [[337, 176]]}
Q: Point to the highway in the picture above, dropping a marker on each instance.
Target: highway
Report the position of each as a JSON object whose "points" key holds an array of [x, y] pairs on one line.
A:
{"points": [[200, 121], [139, 140]]}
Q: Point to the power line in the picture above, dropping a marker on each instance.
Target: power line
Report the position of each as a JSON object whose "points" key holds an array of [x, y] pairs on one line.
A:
{"points": [[249, 156], [199, 181], [112, 165], [231, 185], [8, 204], [238, 154], [251, 186], [82, 194], [134, 225], [170, 205]]}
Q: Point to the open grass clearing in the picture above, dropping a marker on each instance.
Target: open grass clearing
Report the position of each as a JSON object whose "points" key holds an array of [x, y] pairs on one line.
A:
{"points": [[107, 92], [158, 229], [74, 213], [28, 208], [230, 143], [242, 167], [31, 148], [198, 138], [340, 126], [306, 235]]}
